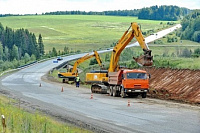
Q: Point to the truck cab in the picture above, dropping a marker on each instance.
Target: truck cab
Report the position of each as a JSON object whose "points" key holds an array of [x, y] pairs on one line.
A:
{"points": [[131, 82], [135, 82]]}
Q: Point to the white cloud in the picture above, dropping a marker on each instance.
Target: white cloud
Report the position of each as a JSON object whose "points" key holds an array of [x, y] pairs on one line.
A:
{"points": [[42, 6]]}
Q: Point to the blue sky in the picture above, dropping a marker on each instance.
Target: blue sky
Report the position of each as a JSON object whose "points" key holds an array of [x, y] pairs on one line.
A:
{"points": [[42, 6]]}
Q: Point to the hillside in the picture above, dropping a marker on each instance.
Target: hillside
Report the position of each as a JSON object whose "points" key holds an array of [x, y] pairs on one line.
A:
{"points": [[78, 32], [175, 84]]}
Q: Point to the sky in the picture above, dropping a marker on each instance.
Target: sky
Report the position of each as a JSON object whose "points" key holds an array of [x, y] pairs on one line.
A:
{"points": [[42, 6]]}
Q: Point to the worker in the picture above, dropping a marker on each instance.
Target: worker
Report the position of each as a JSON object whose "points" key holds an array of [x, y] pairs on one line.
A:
{"points": [[77, 80]]}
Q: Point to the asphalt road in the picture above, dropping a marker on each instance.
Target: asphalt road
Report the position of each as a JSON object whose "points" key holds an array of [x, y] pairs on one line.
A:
{"points": [[102, 113]]}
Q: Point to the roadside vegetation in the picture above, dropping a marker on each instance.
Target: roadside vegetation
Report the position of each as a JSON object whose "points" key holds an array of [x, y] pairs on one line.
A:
{"points": [[21, 121]]}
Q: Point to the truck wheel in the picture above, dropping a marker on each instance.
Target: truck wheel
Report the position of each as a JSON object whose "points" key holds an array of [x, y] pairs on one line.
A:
{"points": [[123, 94], [144, 95], [114, 92], [63, 80], [111, 91]]}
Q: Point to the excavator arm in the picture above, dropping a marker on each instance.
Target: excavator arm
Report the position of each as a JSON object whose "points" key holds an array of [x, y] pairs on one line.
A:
{"points": [[72, 73], [84, 58], [146, 59], [133, 31]]}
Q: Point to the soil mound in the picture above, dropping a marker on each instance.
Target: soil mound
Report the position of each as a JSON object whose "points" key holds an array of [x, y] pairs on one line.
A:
{"points": [[175, 84]]}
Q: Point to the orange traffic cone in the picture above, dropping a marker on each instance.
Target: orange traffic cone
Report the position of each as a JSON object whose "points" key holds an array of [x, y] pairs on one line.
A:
{"points": [[129, 103], [62, 90], [40, 85], [91, 96]]}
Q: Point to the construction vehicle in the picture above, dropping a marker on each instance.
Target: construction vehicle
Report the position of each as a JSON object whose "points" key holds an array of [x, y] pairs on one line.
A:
{"points": [[117, 80], [71, 73]]}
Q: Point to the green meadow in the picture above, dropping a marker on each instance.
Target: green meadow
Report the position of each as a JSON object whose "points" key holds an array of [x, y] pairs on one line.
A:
{"points": [[78, 32]]}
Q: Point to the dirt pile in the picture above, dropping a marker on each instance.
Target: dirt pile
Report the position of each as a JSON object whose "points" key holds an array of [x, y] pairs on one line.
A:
{"points": [[181, 85]]}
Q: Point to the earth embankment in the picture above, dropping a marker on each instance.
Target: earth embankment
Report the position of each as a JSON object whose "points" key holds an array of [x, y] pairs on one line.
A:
{"points": [[175, 84]]}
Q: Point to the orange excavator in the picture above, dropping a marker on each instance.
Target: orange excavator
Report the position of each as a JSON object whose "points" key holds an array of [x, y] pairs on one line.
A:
{"points": [[123, 81], [71, 73]]}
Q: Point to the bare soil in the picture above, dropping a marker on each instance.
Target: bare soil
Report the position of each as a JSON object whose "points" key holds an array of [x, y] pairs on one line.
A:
{"points": [[175, 84]]}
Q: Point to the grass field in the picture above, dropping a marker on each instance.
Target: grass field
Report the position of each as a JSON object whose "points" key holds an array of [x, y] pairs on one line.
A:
{"points": [[20, 121], [91, 32], [78, 32]]}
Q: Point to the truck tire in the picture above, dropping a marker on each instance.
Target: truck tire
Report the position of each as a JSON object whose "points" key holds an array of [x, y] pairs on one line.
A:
{"points": [[111, 90], [114, 92], [144, 95], [123, 94], [63, 80]]}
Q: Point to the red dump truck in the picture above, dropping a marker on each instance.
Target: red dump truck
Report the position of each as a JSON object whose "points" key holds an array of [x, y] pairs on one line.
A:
{"points": [[131, 82]]}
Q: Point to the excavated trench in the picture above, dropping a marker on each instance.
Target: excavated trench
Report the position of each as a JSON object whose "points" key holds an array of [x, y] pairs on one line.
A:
{"points": [[175, 84]]}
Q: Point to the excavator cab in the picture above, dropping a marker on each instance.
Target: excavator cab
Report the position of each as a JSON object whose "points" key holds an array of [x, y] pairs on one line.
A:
{"points": [[146, 59]]}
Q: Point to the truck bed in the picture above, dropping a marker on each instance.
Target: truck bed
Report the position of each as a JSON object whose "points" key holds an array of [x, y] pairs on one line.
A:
{"points": [[115, 78]]}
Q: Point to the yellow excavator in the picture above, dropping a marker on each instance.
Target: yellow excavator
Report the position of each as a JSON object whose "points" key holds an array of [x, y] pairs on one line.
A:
{"points": [[71, 73], [100, 80]]}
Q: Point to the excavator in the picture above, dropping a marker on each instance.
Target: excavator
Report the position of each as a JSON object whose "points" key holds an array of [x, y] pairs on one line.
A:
{"points": [[71, 73], [101, 81]]}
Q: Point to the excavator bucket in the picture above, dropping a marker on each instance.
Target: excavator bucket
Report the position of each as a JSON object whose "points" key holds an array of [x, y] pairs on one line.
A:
{"points": [[146, 59]]}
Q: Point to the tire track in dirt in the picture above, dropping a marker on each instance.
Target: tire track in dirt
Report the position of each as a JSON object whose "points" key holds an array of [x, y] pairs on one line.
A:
{"points": [[175, 84]]}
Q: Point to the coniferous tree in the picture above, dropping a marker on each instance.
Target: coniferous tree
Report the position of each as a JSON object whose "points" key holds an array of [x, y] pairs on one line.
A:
{"points": [[15, 53], [41, 45], [36, 48], [1, 51], [66, 50], [6, 53], [54, 52], [1, 30]]}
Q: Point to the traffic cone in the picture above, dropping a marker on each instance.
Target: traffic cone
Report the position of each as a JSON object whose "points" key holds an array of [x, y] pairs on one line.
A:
{"points": [[62, 90], [129, 103], [40, 85], [91, 96]]}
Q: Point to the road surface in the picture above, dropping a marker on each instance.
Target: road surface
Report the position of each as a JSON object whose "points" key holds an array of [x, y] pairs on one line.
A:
{"points": [[102, 113]]}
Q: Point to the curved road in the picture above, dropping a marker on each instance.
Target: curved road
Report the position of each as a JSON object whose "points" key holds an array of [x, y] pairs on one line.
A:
{"points": [[102, 113]]}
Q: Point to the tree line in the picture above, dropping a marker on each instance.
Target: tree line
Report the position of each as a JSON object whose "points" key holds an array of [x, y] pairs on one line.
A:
{"points": [[18, 46], [191, 27], [16, 43], [169, 13], [110, 13]]}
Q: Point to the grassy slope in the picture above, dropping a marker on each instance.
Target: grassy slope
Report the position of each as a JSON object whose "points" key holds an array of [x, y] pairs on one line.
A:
{"points": [[87, 32], [78, 32], [20, 121]]}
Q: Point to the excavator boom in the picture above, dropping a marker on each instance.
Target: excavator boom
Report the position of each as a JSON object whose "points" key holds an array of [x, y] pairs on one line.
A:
{"points": [[84, 58], [146, 59], [70, 75], [133, 31]]}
